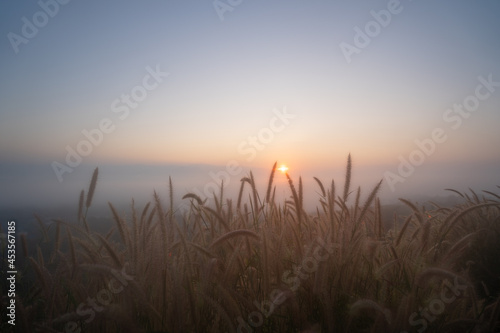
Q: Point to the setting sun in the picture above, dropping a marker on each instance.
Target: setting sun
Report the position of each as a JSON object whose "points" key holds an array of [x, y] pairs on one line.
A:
{"points": [[283, 168]]}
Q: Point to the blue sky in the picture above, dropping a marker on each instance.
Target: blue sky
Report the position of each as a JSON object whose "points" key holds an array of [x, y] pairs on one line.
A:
{"points": [[228, 78]]}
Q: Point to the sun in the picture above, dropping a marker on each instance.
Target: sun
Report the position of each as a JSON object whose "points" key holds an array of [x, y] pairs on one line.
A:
{"points": [[283, 168]]}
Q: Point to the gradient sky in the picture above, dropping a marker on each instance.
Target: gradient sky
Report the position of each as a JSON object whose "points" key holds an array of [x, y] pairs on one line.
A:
{"points": [[228, 75]]}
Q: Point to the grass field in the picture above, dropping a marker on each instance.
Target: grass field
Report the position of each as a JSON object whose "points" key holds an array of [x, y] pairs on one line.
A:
{"points": [[252, 264]]}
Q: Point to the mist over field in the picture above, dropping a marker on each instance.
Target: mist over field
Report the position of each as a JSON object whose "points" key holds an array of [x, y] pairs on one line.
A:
{"points": [[36, 186]]}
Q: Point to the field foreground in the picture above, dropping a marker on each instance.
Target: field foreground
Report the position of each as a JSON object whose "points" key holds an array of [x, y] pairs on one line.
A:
{"points": [[251, 264]]}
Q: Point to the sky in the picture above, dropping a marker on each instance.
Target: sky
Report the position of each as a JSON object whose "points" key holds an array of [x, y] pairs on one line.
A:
{"points": [[206, 91]]}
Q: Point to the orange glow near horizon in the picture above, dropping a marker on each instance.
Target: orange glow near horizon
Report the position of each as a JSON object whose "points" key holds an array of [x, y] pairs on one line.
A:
{"points": [[283, 168]]}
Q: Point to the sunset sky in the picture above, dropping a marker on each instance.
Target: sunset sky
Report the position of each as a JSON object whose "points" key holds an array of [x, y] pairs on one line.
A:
{"points": [[184, 88]]}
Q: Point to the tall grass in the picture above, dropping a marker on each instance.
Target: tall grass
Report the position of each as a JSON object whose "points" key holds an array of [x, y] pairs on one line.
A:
{"points": [[211, 268]]}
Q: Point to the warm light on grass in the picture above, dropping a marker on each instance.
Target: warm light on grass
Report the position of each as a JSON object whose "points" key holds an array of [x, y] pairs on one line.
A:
{"points": [[185, 267]]}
